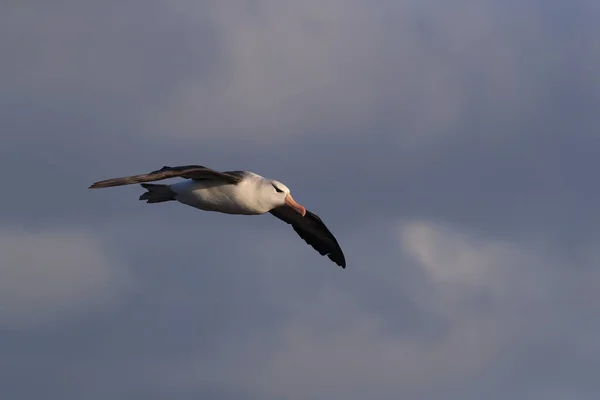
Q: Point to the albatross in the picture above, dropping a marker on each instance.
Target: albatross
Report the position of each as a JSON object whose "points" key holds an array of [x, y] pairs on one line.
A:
{"points": [[234, 192]]}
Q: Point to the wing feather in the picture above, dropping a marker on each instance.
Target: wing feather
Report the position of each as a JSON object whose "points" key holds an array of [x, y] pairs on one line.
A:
{"points": [[194, 172], [313, 231]]}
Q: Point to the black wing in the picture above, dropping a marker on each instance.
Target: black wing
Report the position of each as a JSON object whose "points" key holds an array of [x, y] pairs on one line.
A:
{"points": [[195, 172], [313, 231]]}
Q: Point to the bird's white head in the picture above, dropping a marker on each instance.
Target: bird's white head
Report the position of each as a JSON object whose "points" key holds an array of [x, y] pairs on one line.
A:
{"points": [[279, 195]]}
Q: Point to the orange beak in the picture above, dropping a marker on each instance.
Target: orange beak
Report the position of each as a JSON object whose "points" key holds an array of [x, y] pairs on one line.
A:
{"points": [[289, 200]]}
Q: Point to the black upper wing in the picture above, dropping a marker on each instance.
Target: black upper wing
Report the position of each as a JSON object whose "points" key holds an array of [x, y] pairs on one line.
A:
{"points": [[195, 172], [313, 231]]}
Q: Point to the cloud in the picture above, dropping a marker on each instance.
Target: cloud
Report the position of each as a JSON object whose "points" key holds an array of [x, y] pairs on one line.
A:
{"points": [[492, 304], [80, 49], [468, 271], [413, 72], [361, 356], [53, 274], [283, 65], [265, 72], [358, 353], [472, 124]]}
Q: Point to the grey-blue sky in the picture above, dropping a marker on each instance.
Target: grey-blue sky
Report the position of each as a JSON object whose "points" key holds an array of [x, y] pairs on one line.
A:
{"points": [[451, 148]]}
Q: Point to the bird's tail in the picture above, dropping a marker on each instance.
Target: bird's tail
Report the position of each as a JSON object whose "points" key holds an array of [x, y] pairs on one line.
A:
{"points": [[157, 193]]}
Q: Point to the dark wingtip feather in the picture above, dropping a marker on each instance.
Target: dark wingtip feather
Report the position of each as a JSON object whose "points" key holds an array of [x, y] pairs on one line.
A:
{"points": [[126, 180], [108, 183], [339, 259]]}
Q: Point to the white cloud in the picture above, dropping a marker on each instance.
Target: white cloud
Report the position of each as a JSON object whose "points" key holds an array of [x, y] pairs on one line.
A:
{"points": [[332, 348], [284, 64], [489, 296], [463, 267], [74, 49], [272, 70], [358, 355], [299, 68], [448, 256], [49, 275]]}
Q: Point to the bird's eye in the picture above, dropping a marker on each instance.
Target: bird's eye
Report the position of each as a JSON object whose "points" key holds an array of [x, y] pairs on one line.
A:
{"points": [[277, 189]]}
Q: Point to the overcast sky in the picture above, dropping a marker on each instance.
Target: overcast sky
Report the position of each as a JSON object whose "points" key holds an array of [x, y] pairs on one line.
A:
{"points": [[451, 146]]}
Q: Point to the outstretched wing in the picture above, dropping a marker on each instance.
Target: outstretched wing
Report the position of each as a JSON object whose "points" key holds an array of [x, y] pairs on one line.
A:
{"points": [[195, 172], [313, 231]]}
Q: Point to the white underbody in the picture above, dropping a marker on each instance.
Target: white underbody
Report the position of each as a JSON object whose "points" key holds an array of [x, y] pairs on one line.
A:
{"points": [[221, 197]]}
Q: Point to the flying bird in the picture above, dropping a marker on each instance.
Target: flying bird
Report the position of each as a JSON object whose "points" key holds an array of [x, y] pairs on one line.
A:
{"points": [[234, 192]]}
